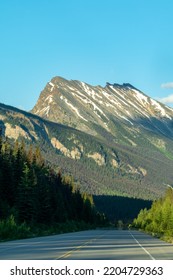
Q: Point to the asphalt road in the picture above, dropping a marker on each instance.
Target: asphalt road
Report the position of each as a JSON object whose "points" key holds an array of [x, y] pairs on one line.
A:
{"points": [[89, 245]]}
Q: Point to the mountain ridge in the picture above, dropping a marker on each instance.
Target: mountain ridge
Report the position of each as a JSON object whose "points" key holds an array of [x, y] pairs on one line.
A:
{"points": [[82, 106], [113, 140]]}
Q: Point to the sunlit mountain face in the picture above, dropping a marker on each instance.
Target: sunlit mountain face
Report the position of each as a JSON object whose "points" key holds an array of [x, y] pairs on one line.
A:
{"points": [[113, 140], [90, 108]]}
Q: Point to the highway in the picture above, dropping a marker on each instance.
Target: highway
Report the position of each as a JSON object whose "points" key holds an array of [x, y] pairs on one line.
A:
{"points": [[89, 245]]}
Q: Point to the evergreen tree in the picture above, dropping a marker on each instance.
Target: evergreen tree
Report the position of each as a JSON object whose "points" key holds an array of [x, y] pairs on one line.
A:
{"points": [[34, 194], [25, 198], [158, 219]]}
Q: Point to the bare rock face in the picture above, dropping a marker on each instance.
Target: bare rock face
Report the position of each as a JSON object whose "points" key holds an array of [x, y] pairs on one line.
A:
{"points": [[74, 153], [15, 132], [96, 110], [98, 158]]}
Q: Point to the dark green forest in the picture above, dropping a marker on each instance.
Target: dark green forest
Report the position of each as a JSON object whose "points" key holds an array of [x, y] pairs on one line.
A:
{"points": [[158, 220], [34, 200], [119, 209]]}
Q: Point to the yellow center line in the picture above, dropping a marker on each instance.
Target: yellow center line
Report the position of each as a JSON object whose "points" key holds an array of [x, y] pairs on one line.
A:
{"points": [[78, 248]]}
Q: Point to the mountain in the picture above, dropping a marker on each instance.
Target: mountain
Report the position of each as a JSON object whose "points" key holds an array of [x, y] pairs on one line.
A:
{"points": [[121, 111], [113, 140]]}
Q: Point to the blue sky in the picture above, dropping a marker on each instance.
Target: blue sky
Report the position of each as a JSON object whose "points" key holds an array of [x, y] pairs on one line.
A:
{"points": [[95, 41]]}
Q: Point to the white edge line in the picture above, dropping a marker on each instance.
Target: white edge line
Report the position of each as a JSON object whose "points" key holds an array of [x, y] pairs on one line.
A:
{"points": [[142, 247]]}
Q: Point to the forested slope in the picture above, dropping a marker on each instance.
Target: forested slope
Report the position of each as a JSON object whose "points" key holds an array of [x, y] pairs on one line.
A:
{"points": [[34, 199], [159, 219]]}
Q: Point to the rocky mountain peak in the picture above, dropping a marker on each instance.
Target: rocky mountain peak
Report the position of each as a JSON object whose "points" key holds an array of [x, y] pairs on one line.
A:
{"points": [[89, 108], [124, 85]]}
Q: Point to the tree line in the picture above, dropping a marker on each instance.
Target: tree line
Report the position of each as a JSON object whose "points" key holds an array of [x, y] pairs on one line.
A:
{"points": [[34, 198], [119, 208], [158, 220]]}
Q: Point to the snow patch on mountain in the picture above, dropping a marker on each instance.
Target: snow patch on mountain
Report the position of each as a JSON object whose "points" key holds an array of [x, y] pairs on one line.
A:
{"points": [[74, 109], [160, 109], [49, 99], [89, 91], [45, 110], [141, 97], [52, 86]]}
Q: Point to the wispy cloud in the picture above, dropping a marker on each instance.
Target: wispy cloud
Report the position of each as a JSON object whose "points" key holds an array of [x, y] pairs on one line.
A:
{"points": [[167, 100], [167, 85]]}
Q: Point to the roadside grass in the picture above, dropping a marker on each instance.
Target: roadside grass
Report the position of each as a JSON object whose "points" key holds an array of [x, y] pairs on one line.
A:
{"points": [[10, 230]]}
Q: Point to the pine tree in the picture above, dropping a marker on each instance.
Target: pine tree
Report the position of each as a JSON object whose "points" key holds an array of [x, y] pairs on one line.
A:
{"points": [[25, 199]]}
